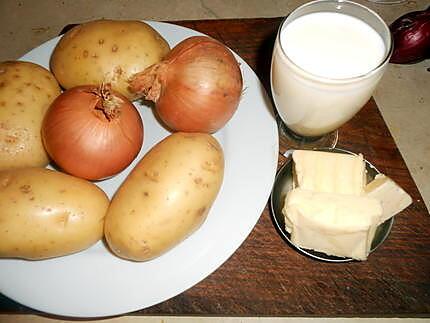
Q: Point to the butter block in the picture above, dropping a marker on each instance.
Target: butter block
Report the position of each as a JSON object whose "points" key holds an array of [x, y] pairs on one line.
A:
{"points": [[329, 172], [336, 224], [393, 198]]}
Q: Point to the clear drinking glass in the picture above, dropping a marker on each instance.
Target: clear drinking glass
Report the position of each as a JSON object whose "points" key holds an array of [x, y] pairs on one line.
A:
{"points": [[312, 107]]}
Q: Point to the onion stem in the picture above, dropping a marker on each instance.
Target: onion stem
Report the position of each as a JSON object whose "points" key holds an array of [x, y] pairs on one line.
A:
{"points": [[110, 105]]}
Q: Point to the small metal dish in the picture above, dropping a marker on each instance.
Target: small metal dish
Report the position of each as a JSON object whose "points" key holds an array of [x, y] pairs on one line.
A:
{"points": [[284, 183]]}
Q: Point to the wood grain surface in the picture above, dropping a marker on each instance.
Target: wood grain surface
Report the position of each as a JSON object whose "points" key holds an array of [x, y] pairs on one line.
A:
{"points": [[267, 277]]}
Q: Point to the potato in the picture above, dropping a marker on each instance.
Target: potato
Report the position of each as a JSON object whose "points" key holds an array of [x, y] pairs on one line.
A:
{"points": [[166, 197], [109, 51], [26, 91], [44, 213]]}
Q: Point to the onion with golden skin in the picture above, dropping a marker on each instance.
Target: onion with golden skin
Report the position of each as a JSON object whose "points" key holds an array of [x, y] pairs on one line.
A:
{"points": [[92, 132], [196, 88]]}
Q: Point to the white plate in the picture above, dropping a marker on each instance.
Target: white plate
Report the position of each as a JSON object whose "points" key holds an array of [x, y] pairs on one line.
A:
{"points": [[95, 283]]}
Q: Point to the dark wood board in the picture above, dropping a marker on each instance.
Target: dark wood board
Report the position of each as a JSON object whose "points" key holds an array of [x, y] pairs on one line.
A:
{"points": [[267, 277]]}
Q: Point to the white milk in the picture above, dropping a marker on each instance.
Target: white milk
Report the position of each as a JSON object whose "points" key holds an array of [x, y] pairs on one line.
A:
{"points": [[320, 70]]}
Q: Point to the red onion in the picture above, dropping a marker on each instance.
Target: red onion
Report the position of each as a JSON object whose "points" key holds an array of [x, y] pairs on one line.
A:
{"points": [[411, 37]]}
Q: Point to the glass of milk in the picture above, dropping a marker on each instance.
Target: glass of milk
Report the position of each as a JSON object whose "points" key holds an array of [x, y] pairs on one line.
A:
{"points": [[327, 60]]}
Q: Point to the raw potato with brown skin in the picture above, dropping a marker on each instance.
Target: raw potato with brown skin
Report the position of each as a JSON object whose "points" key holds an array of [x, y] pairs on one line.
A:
{"points": [[106, 51], [45, 213], [26, 92], [166, 197]]}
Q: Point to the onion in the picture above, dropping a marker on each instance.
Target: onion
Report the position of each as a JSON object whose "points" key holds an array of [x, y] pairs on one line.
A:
{"points": [[411, 37], [196, 88], [92, 132]]}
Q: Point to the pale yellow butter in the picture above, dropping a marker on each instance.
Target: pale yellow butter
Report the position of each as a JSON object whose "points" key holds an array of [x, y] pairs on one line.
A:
{"points": [[329, 172], [336, 224], [393, 198]]}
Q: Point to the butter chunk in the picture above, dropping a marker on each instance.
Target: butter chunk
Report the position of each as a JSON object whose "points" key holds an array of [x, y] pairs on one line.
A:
{"points": [[329, 172], [336, 224], [393, 198]]}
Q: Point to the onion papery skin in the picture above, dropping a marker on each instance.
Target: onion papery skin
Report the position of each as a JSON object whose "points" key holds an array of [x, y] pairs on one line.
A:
{"points": [[86, 142], [411, 37], [196, 88]]}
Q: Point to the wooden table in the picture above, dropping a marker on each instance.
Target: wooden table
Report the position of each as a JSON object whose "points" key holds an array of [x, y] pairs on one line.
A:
{"points": [[266, 277]]}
